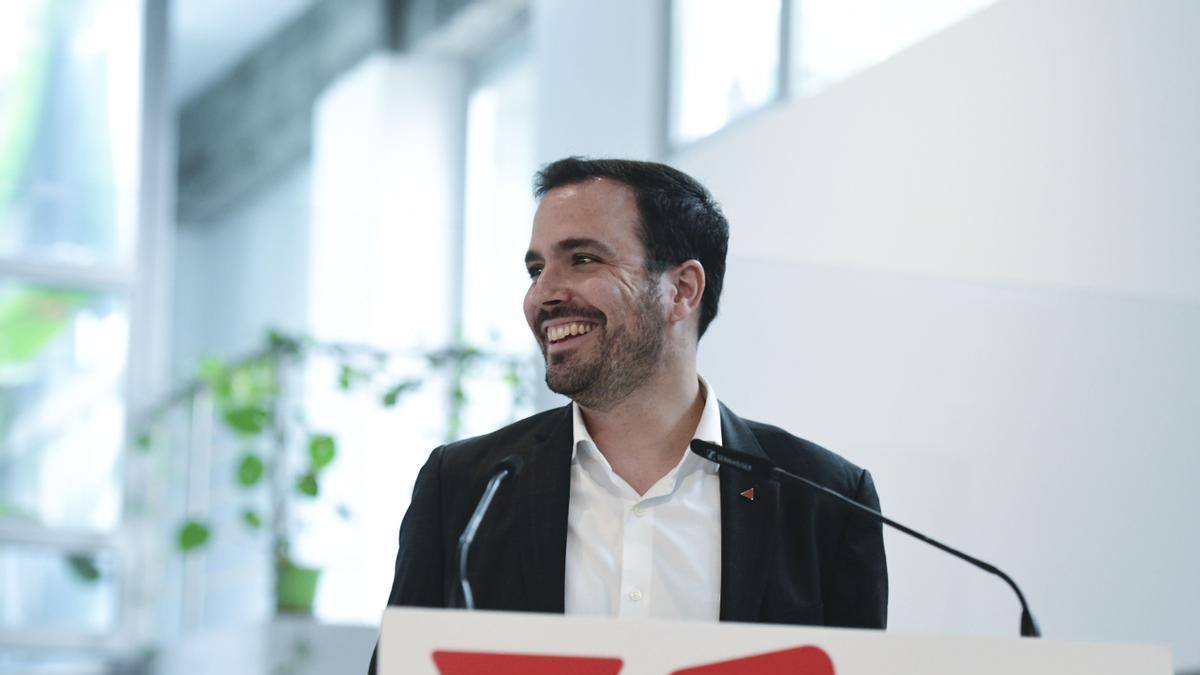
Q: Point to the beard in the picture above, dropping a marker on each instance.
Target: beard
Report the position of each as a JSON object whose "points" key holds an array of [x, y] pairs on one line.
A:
{"points": [[622, 362]]}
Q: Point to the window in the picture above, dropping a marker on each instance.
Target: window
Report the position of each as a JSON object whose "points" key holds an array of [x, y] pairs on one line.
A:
{"points": [[725, 62], [728, 59], [69, 126], [60, 592], [62, 363], [834, 39], [70, 141]]}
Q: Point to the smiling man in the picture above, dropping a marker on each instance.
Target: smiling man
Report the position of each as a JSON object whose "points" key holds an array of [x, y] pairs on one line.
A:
{"points": [[611, 515]]}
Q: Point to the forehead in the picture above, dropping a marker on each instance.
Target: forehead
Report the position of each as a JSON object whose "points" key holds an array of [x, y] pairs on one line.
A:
{"points": [[599, 209]]}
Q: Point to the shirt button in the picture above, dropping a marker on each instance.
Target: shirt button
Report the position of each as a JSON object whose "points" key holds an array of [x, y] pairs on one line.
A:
{"points": [[639, 510], [635, 595]]}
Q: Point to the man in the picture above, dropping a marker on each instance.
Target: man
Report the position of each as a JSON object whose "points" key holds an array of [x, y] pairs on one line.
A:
{"points": [[611, 515]]}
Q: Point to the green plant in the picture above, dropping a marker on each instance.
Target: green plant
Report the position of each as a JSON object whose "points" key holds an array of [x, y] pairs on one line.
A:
{"points": [[30, 319], [279, 454], [249, 402]]}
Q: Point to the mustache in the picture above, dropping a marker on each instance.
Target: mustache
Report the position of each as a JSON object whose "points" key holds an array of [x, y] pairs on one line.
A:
{"points": [[564, 311]]}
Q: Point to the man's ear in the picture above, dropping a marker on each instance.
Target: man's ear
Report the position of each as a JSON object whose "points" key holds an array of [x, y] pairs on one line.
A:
{"points": [[687, 289]]}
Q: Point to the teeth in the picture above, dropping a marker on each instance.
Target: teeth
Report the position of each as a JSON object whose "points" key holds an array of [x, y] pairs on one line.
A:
{"points": [[556, 333]]}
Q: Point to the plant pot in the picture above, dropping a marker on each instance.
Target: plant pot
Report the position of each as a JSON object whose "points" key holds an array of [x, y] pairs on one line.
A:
{"points": [[286, 644], [296, 589]]}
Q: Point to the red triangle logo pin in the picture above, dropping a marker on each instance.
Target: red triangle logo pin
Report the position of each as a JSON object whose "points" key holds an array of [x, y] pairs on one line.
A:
{"points": [[748, 494]]}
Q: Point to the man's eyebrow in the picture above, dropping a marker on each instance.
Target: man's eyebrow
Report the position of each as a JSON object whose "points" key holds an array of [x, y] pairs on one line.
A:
{"points": [[574, 244], [577, 243]]}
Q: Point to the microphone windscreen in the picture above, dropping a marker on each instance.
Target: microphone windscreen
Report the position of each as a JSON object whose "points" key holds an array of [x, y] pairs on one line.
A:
{"points": [[751, 464], [514, 464]]}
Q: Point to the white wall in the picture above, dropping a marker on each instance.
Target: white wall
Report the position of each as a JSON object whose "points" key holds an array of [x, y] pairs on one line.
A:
{"points": [[601, 67], [387, 173], [237, 277], [975, 270], [1051, 432]]}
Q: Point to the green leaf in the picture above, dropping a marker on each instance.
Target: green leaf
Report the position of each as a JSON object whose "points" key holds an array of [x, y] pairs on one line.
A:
{"points": [[144, 441], [192, 535], [247, 420], [280, 342], [252, 383], [511, 378], [321, 451], [395, 391], [211, 370], [83, 566], [250, 517], [214, 372], [349, 376], [307, 485], [250, 469], [31, 318]]}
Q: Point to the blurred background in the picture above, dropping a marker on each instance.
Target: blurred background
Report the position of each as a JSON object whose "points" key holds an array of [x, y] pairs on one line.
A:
{"points": [[258, 258]]}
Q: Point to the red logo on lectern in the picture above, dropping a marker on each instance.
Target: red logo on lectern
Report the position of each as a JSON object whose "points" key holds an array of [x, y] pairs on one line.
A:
{"points": [[472, 663], [795, 661]]}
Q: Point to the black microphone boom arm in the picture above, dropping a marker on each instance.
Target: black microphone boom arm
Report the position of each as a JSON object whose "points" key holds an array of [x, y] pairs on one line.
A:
{"points": [[510, 466], [765, 469]]}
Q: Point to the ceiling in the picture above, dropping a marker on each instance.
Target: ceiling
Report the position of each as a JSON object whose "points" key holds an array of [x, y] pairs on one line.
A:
{"points": [[208, 37]]}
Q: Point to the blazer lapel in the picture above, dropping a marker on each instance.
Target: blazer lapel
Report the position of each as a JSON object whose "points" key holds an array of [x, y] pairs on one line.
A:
{"points": [[747, 521], [543, 495]]}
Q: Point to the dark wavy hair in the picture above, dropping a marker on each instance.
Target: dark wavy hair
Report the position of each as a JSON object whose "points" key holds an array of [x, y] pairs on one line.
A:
{"points": [[679, 219]]}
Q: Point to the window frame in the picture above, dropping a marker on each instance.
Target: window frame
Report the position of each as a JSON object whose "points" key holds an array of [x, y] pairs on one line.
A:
{"points": [[141, 282]]}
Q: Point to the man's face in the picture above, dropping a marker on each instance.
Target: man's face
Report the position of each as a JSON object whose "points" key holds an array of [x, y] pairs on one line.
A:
{"points": [[594, 311]]}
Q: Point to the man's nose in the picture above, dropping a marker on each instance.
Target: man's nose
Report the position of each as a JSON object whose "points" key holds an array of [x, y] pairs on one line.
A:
{"points": [[549, 288]]}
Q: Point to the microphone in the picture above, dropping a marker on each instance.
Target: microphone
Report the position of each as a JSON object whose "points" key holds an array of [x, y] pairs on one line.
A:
{"points": [[509, 466], [761, 467]]}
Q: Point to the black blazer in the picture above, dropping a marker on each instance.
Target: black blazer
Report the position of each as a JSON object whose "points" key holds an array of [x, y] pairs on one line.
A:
{"points": [[787, 556]]}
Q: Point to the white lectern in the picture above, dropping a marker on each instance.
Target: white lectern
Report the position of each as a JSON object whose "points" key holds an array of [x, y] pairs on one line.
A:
{"points": [[453, 642]]}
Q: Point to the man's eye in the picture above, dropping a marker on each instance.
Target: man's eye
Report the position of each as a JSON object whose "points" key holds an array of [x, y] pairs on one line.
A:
{"points": [[534, 271], [583, 259]]}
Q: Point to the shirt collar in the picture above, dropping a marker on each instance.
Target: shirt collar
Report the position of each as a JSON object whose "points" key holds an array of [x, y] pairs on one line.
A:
{"points": [[708, 429]]}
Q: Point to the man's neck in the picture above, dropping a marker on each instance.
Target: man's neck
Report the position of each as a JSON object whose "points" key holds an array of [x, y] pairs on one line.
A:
{"points": [[644, 435]]}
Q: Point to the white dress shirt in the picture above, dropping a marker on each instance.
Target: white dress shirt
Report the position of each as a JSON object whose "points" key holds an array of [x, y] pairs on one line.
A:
{"points": [[656, 555]]}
